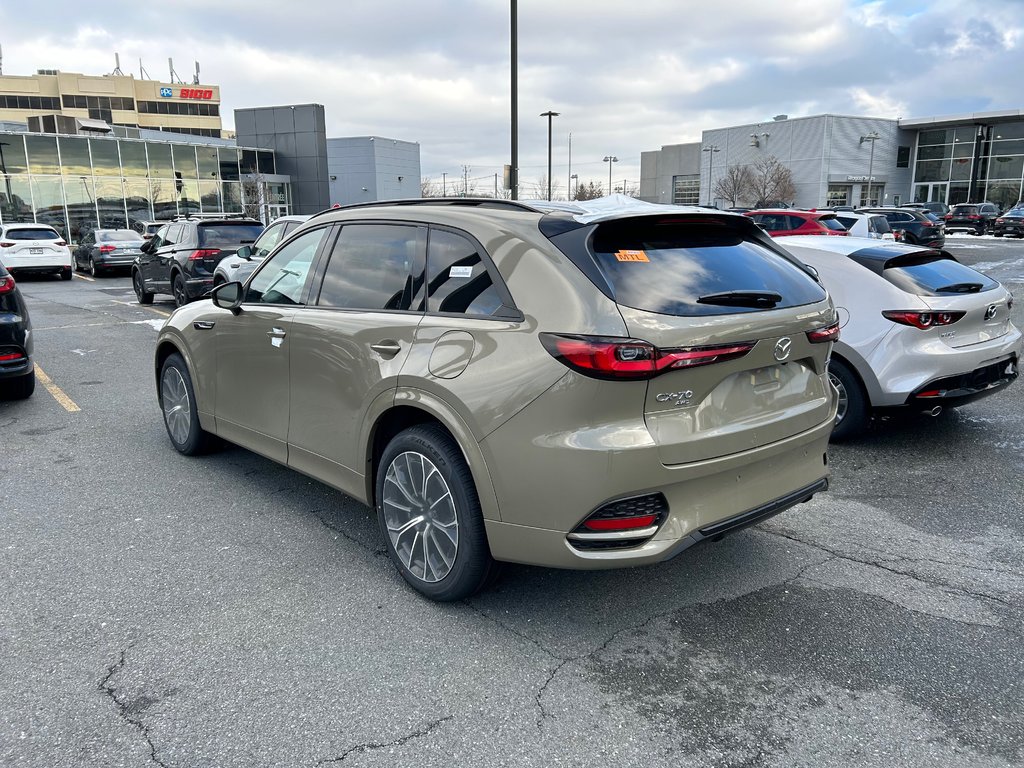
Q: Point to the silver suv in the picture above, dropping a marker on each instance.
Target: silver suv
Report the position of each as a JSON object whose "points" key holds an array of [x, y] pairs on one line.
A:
{"points": [[505, 382]]}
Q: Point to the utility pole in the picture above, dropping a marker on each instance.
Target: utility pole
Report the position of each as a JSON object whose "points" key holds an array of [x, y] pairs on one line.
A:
{"points": [[444, 184], [568, 189], [515, 101], [465, 181], [549, 114]]}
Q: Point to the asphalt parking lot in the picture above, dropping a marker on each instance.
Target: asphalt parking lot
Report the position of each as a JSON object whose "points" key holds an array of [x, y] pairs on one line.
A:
{"points": [[225, 611]]}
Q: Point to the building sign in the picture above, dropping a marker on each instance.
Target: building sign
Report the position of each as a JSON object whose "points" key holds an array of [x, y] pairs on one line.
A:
{"points": [[849, 179], [188, 93]]}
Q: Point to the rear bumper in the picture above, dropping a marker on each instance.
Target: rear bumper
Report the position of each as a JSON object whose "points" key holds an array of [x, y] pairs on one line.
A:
{"points": [[198, 286], [114, 262], [951, 391], [706, 500], [47, 263]]}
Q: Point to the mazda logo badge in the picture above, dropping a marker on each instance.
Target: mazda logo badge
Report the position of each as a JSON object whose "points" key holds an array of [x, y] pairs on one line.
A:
{"points": [[991, 311], [782, 348]]}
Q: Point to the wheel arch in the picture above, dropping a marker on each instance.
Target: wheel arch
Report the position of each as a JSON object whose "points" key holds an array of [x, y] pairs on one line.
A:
{"points": [[395, 415], [861, 369]]}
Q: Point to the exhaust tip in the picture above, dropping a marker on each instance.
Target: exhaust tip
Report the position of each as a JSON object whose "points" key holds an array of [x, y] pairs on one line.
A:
{"points": [[935, 411]]}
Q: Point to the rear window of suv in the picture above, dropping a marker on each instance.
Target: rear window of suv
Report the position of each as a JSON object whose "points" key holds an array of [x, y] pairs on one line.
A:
{"points": [[964, 210], [223, 234], [665, 266], [831, 222], [936, 276], [41, 233]]}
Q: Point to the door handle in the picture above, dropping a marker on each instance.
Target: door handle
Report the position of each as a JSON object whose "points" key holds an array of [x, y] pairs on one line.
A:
{"points": [[203, 325], [276, 333], [387, 348]]}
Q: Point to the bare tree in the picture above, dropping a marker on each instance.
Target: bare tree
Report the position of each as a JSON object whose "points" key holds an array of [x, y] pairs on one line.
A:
{"points": [[429, 188], [589, 191], [542, 187], [772, 182], [737, 185], [254, 195]]}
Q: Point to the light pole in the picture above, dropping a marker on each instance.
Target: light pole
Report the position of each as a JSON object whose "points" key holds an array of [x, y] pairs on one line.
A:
{"points": [[574, 177], [872, 137], [444, 184], [568, 191], [610, 159], [7, 179], [549, 115], [710, 149], [514, 48]]}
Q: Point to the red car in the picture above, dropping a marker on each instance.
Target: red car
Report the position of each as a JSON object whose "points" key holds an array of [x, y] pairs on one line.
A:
{"points": [[792, 222]]}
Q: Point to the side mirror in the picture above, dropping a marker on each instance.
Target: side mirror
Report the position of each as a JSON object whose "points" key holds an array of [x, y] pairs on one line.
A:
{"points": [[813, 271], [229, 296], [147, 247], [245, 252]]}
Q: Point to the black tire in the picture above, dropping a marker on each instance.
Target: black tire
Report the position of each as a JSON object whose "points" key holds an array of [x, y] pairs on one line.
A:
{"points": [[20, 388], [140, 291], [178, 406], [472, 567], [78, 264], [66, 273], [92, 267], [179, 290], [853, 419]]}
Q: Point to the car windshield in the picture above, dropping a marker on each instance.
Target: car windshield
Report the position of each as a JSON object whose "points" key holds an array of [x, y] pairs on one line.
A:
{"points": [[117, 236], [41, 233], [667, 265], [226, 234]]}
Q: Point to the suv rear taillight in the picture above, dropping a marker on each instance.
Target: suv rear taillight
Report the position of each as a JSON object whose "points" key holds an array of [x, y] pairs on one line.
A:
{"points": [[61, 242], [6, 284], [107, 248], [822, 335], [609, 357], [6, 244], [203, 253], [922, 320]]}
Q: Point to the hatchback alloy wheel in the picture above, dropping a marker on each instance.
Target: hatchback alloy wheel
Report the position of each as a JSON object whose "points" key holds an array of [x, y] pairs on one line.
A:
{"points": [[843, 401], [178, 288], [419, 511]]}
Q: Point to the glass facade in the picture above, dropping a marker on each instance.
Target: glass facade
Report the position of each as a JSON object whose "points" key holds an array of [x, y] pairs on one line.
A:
{"points": [[78, 183], [970, 163]]}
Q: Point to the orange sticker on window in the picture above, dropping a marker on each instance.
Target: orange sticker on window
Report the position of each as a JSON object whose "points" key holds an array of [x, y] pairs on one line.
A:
{"points": [[631, 256]]}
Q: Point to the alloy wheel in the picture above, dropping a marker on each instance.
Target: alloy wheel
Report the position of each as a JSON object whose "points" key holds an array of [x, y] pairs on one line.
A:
{"points": [[420, 515], [844, 397], [180, 298], [177, 413]]}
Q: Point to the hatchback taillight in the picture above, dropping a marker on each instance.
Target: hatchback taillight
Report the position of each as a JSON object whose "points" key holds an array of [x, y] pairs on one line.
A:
{"points": [[6, 284], [107, 249], [61, 242], [922, 320], [202, 253], [6, 244], [604, 357]]}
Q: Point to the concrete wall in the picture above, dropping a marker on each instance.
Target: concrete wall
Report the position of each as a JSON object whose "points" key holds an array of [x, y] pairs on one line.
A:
{"points": [[367, 168], [657, 169], [298, 136]]}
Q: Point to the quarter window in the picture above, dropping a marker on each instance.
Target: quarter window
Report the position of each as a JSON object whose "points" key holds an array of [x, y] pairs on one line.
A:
{"points": [[457, 278], [283, 278], [370, 267]]}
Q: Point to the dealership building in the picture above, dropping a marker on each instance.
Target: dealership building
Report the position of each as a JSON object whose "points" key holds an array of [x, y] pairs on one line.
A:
{"points": [[849, 160], [80, 152]]}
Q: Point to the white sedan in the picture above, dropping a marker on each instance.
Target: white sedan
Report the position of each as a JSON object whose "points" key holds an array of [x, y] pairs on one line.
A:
{"points": [[34, 249], [920, 330]]}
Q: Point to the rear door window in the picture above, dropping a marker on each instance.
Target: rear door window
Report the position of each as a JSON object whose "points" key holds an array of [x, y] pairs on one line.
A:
{"points": [[667, 265], [371, 267], [830, 222], [224, 235], [936, 276]]}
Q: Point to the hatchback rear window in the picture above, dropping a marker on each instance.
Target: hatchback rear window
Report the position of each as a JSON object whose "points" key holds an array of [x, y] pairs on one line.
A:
{"points": [[936, 276], [42, 233], [832, 223], [964, 210], [226, 235], [667, 266]]}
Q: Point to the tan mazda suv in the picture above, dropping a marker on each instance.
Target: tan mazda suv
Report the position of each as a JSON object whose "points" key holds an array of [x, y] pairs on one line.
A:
{"points": [[571, 388]]}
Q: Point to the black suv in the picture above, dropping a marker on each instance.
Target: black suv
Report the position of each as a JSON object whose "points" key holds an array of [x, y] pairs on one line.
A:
{"points": [[911, 225], [17, 375], [181, 257], [975, 217]]}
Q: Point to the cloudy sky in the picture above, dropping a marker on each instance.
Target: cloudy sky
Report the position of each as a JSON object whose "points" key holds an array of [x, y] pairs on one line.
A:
{"points": [[625, 76]]}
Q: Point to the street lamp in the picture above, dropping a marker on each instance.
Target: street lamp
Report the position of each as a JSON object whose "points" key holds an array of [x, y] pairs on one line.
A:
{"points": [[444, 183], [710, 149], [549, 115], [610, 159], [872, 137], [574, 177]]}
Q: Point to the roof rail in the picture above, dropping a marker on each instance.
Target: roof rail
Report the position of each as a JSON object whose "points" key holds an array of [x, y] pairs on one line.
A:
{"points": [[217, 216], [468, 202]]}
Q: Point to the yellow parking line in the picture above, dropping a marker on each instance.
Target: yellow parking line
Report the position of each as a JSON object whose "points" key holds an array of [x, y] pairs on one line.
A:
{"points": [[83, 277], [66, 402], [158, 311]]}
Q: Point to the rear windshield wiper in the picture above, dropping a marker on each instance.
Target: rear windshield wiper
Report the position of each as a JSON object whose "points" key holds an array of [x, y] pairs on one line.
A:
{"points": [[756, 299], [960, 288]]}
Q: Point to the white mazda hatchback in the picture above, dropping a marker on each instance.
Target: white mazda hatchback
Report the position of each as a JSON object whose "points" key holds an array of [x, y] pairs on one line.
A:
{"points": [[919, 330], [34, 249]]}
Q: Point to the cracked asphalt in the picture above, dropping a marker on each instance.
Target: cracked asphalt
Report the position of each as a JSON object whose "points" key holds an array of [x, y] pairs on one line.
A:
{"points": [[225, 611]]}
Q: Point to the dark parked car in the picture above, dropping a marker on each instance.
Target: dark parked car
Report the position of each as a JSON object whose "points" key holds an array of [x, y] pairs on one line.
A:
{"points": [[977, 218], [912, 226], [181, 257], [937, 208], [1010, 223], [17, 374], [103, 250]]}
